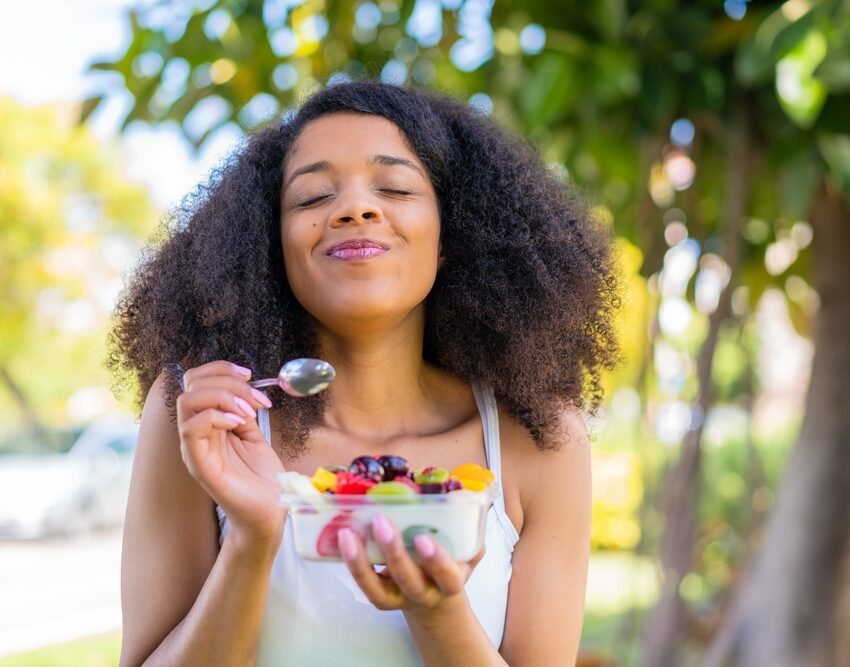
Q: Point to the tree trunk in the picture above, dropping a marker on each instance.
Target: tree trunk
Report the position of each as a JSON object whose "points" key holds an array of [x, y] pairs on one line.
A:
{"points": [[33, 424], [793, 608], [680, 496]]}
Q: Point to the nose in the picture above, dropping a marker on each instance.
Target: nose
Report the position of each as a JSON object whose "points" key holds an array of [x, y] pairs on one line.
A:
{"points": [[356, 207]]}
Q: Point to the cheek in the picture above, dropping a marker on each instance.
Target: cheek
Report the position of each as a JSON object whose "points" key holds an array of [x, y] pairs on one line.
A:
{"points": [[297, 244]]}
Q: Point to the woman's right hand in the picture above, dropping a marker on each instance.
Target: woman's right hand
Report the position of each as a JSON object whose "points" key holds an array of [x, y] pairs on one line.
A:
{"points": [[224, 450]]}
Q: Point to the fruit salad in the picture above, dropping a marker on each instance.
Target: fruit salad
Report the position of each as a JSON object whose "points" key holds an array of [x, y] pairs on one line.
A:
{"points": [[451, 506]]}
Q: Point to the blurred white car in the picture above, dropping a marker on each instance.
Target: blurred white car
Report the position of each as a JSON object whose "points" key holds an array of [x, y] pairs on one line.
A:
{"points": [[66, 482]]}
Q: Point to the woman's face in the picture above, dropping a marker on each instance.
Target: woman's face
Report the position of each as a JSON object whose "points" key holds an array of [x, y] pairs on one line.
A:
{"points": [[360, 227]]}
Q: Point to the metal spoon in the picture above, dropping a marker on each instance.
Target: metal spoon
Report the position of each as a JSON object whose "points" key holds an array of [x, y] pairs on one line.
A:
{"points": [[300, 377]]}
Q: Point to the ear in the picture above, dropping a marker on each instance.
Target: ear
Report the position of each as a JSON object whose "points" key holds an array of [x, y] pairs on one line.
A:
{"points": [[441, 258]]}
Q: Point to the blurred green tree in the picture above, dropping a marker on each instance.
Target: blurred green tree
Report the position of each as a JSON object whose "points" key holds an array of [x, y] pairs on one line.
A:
{"points": [[67, 216], [695, 116]]}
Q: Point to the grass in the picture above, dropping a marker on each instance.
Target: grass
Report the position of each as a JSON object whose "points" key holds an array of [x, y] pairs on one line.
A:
{"points": [[98, 651]]}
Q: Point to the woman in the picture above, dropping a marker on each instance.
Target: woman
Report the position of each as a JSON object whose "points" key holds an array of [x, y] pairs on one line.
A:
{"points": [[464, 298]]}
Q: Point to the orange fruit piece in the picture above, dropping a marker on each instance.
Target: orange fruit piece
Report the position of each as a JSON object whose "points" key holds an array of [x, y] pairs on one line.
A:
{"points": [[323, 479], [473, 484], [471, 472]]}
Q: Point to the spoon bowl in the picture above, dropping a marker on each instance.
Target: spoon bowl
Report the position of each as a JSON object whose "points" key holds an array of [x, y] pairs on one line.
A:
{"points": [[300, 377]]}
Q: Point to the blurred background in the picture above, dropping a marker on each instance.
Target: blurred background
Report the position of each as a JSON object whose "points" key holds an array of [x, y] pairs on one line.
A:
{"points": [[713, 136]]}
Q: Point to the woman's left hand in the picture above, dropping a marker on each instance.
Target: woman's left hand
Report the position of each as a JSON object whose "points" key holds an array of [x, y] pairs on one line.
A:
{"points": [[404, 584]]}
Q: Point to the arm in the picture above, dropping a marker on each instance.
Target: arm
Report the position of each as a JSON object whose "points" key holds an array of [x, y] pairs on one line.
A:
{"points": [[547, 589], [454, 637], [183, 601]]}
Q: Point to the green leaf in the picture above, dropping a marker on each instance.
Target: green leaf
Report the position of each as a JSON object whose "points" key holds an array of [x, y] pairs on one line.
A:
{"points": [[551, 91], [88, 107], [613, 75], [774, 37], [802, 96], [834, 71], [104, 66], [609, 17]]}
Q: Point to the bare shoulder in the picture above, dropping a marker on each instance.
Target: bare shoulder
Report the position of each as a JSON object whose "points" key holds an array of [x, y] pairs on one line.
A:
{"points": [[158, 464], [540, 477], [170, 534]]}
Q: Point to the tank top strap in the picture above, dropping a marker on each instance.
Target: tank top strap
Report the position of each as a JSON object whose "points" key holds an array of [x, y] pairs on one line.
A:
{"points": [[489, 410]]}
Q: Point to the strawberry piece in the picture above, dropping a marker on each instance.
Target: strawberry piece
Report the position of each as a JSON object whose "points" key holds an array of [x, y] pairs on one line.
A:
{"points": [[351, 484], [327, 544]]}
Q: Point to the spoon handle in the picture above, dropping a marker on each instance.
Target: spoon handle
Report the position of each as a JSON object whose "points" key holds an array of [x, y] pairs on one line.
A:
{"points": [[268, 382]]}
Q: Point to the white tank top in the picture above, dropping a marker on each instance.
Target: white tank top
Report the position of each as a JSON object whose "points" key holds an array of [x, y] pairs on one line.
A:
{"points": [[317, 615]]}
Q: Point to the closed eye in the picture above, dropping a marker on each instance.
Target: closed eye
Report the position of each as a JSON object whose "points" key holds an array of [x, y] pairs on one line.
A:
{"points": [[312, 201], [316, 200]]}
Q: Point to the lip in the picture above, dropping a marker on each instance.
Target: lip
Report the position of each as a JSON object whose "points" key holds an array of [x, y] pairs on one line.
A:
{"points": [[355, 250]]}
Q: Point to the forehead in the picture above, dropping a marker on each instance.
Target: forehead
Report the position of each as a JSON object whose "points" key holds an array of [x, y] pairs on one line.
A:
{"points": [[344, 135]]}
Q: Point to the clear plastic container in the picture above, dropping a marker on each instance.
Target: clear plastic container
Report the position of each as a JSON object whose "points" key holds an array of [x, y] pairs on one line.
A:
{"points": [[455, 519]]}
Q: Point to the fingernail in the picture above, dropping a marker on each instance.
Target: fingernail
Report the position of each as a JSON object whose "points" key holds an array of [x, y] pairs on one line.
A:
{"points": [[261, 397], [347, 543], [235, 419], [245, 406], [382, 529], [242, 370], [424, 546]]}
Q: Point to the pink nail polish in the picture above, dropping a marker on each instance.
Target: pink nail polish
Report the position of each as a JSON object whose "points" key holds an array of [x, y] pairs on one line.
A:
{"points": [[347, 544], [261, 397], [241, 370], [245, 407], [424, 546], [382, 529], [234, 419]]}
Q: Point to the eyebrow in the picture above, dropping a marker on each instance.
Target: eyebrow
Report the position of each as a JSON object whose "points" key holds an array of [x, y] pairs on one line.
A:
{"points": [[324, 165]]}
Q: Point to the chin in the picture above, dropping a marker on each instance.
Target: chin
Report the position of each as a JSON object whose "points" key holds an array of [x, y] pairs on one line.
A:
{"points": [[359, 313]]}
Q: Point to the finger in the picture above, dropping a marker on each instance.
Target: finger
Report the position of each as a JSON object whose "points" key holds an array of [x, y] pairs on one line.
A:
{"points": [[381, 591], [195, 434], [216, 368], [197, 437], [193, 402], [200, 425], [449, 575], [407, 575], [237, 386]]}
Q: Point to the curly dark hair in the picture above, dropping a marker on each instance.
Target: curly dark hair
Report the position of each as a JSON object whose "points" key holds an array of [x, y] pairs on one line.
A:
{"points": [[524, 300]]}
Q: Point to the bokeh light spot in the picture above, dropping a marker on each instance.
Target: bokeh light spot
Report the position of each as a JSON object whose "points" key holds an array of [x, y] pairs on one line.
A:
{"points": [[394, 72], [735, 9], [222, 71], [682, 132], [532, 39], [283, 42], [368, 15], [482, 102], [285, 76]]}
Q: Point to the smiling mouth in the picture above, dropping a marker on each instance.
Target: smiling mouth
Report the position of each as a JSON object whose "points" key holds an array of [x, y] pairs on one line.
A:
{"points": [[352, 251]]}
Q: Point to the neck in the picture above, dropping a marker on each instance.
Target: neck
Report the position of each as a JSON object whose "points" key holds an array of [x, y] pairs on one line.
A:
{"points": [[381, 381]]}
